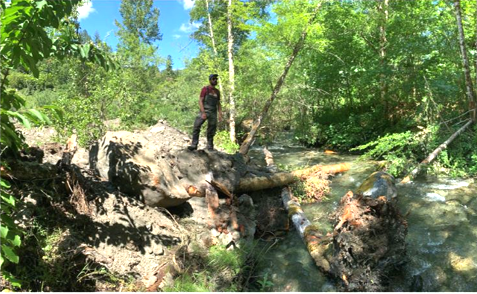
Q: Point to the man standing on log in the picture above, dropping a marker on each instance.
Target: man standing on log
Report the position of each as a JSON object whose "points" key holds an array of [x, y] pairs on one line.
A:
{"points": [[209, 104]]}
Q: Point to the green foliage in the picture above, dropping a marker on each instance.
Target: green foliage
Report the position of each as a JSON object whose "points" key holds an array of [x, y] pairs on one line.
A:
{"points": [[460, 158], [221, 265], [400, 150], [10, 235], [403, 151], [222, 139], [88, 126], [265, 283], [197, 282], [28, 35], [219, 258]]}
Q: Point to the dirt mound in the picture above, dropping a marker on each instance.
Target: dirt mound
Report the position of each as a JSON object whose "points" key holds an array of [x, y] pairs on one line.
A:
{"points": [[105, 230]]}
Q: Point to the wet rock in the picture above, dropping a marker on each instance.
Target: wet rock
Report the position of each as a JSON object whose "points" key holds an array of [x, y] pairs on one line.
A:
{"points": [[378, 184], [462, 264]]}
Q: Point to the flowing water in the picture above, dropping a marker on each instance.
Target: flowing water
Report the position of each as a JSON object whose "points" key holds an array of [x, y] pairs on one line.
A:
{"points": [[441, 240]]}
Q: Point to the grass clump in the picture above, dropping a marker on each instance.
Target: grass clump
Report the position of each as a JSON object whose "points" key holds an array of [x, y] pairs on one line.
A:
{"points": [[217, 269]]}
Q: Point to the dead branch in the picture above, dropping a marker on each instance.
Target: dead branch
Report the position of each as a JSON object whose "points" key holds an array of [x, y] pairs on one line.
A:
{"points": [[434, 154]]}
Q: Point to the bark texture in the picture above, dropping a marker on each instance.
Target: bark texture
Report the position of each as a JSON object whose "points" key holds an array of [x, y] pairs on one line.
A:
{"points": [[249, 184], [383, 6], [230, 45], [465, 61]]}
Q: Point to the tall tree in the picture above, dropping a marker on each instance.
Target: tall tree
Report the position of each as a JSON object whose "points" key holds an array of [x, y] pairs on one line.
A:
{"points": [[225, 28], [465, 60], [169, 64], [139, 20], [296, 49], [212, 40], [383, 6], [138, 32], [230, 45]]}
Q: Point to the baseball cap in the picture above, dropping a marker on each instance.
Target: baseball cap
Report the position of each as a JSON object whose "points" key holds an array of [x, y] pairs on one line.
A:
{"points": [[213, 76]]}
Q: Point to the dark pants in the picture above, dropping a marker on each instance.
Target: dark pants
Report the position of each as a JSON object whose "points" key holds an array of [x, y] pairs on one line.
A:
{"points": [[211, 128]]}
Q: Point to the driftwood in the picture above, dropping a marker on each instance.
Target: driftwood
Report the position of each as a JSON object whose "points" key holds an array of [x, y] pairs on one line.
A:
{"points": [[434, 154]]}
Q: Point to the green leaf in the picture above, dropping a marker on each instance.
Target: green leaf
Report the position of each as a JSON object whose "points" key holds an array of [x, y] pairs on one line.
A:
{"points": [[58, 112], [10, 254], [10, 136], [86, 48], [9, 277], [24, 121], [8, 199], [41, 4], [5, 184], [1, 260], [3, 231], [17, 241], [37, 114], [7, 220]]}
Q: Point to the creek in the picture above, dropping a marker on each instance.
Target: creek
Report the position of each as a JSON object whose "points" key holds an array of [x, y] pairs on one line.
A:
{"points": [[441, 240]]}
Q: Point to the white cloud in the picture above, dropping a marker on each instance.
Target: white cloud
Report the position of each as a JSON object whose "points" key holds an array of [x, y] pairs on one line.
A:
{"points": [[85, 9], [176, 36], [189, 27], [188, 4]]}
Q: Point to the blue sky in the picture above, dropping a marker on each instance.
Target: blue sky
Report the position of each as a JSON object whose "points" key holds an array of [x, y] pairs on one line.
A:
{"points": [[174, 24]]}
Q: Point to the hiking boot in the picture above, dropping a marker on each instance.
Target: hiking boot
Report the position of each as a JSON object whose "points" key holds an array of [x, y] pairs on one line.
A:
{"points": [[210, 148], [192, 148]]}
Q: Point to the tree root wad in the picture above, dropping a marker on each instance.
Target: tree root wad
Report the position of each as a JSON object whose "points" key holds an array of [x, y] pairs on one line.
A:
{"points": [[368, 243], [366, 247]]}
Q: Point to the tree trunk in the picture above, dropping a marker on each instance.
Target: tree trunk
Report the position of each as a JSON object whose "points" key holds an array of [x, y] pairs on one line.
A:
{"points": [[465, 61], [281, 179], [269, 160], [230, 44], [434, 154], [314, 240], [475, 62], [383, 42], [211, 33], [256, 124]]}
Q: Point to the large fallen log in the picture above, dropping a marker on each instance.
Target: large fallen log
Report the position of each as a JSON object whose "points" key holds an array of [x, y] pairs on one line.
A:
{"points": [[315, 242], [433, 155], [281, 179]]}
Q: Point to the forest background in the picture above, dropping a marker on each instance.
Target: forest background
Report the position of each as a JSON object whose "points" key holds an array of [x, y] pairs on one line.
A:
{"points": [[385, 75]]}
